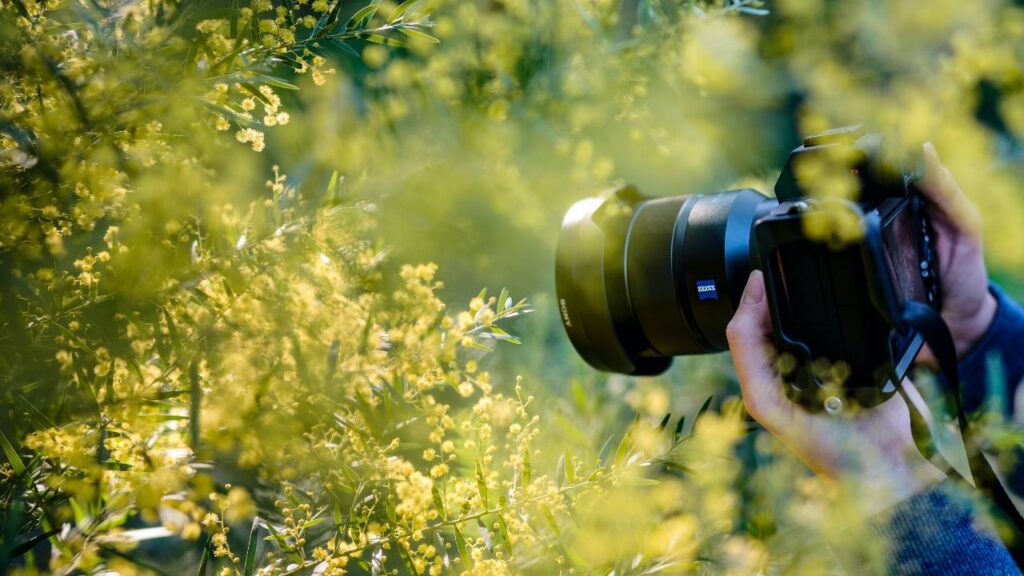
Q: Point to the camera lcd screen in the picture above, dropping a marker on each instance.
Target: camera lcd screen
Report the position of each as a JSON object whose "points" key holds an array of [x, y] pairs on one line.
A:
{"points": [[903, 255]]}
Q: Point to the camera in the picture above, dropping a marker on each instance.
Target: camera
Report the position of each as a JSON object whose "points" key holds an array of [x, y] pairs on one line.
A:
{"points": [[641, 279]]}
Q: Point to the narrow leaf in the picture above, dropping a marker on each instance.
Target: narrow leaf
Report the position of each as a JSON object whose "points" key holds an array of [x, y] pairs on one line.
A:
{"points": [[551, 519], [503, 528], [401, 10], [442, 549], [679, 428], [362, 16], [31, 543], [439, 502], [703, 408], [404, 553], [606, 448], [381, 39], [12, 454], [205, 561], [195, 402], [623, 448], [332, 187], [460, 543], [502, 299], [527, 471], [664, 422], [485, 533], [418, 34], [278, 83], [345, 47], [250, 553], [481, 484]]}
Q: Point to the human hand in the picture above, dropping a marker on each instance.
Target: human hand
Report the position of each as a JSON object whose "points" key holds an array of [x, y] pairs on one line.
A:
{"points": [[872, 448], [967, 305]]}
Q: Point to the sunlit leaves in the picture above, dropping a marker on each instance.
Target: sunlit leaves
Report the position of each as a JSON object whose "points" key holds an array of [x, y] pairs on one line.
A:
{"points": [[172, 326]]}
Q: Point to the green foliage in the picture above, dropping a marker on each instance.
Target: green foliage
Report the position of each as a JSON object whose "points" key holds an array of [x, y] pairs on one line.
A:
{"points": [[196, 346]]}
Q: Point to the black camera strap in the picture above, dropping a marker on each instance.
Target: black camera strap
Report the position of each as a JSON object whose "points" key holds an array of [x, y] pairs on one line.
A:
{"points": [[927, 322]]}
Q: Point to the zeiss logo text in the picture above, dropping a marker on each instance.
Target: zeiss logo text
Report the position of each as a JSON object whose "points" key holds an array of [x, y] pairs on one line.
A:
{"points": [[706, 290]]}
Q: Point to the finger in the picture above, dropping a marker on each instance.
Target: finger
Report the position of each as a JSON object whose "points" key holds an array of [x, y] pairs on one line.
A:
{"points": [[945, 195], [749, 334]]}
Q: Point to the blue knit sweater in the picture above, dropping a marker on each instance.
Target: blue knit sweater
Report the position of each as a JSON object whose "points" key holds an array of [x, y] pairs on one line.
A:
{"points": [[936, 532]]}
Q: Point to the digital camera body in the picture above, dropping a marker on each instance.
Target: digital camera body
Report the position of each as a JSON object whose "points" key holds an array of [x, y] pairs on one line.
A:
{"points": [[640, 280]]}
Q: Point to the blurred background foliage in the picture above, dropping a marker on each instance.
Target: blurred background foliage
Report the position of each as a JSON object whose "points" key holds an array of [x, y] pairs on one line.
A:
{"points": [[223, 349]]}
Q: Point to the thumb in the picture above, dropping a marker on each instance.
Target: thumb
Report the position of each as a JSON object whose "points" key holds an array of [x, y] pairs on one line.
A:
{"points": [[749, 334]]}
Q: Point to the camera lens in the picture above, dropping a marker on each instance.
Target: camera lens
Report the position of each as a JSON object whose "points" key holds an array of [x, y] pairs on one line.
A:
{"points": [[640, 280]]}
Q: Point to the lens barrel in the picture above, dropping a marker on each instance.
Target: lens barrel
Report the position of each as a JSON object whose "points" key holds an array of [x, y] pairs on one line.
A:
{"points": [[640, 280]]}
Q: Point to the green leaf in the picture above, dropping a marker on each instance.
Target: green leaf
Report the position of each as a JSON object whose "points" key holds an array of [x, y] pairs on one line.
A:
{"points": [[570, 470], [404, 553], [485, 535], [526, 467], [43, 418], [639, 482], [551, 519], [328, 18], [560, 471], [250, 553], [278, 83], [470, 343], [254, 91], [664, 422], [389, 504], [205, 560], [442, 549], [345, 47], [81, 517], [502, 299], [114, 465], [363, 16], [337, 515], [418, 34], [623, 448], [606, 449], [381, 39], [12, 454], [503, 528], [282, 542], [679, 428], [579, 395], [195, 403], [703, 408], [401, 10], [331, 195], [753, 11], [460, 543], [332, 360], [31, 543], [481, 484], [364, 340], [499, 334], [439, 502]]}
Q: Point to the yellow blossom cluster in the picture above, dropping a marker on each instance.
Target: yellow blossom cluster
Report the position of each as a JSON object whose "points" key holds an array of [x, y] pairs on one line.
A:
{"points": [[199, 348]]}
